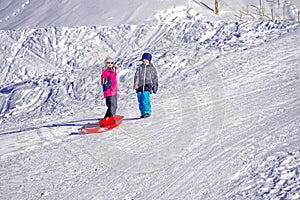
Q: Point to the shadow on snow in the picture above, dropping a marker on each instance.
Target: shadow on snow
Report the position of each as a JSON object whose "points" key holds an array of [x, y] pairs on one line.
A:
{"points": [[75, 123]]}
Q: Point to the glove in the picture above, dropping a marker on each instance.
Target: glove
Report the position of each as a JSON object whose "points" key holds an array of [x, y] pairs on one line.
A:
{"points": [[154, 89]]}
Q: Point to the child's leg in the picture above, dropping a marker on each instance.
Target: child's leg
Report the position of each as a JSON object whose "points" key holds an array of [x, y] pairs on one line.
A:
{"points": [[114, 105], [147, 103], [108, 104], [141, 102]]}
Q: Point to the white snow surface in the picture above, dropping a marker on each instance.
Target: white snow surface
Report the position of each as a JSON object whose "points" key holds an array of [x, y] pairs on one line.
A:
{"points": [[225, 122]]}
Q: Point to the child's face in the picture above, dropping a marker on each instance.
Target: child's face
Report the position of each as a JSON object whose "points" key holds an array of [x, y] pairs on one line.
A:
{"points": [[110, 64], [146, 62]]}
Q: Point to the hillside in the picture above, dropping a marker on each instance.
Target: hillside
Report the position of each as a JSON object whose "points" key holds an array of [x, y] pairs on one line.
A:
{"points": [[225, 121]]}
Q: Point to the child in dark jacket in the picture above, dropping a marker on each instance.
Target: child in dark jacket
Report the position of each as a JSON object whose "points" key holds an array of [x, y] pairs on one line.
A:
{"points": [[145, 82]]}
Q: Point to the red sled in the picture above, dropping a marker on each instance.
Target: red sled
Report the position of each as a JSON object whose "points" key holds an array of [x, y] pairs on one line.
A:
{"points": [[101, 126]]}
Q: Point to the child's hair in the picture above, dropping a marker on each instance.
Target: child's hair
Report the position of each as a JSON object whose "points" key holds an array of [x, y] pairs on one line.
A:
{"points": [[105, 67]]}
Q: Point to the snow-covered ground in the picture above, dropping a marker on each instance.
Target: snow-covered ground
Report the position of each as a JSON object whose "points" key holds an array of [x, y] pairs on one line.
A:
{"points": [[225, 121]]}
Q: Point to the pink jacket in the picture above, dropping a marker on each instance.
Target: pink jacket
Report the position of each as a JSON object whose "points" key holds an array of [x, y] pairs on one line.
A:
{"points": [[109, 82]]}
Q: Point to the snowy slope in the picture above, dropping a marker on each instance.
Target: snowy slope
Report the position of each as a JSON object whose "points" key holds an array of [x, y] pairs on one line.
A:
{"points": [[55, 13], [40, 14], [225, 121]]}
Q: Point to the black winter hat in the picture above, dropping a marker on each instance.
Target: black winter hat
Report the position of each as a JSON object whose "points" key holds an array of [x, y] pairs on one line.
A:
{"points": [[147, 56]]}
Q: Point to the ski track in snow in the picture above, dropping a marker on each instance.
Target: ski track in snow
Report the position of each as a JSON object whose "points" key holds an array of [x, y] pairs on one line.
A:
{"points": [[225, 121]]}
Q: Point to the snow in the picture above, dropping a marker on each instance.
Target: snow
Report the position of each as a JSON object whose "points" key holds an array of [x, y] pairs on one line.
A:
{"points": [[225, 121]]}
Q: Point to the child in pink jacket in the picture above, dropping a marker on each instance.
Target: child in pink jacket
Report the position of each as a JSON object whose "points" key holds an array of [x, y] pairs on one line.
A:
{"points": [[110, 87]]}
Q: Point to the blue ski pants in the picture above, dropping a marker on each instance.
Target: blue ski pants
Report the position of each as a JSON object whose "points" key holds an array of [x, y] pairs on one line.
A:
{"points": [[144, 102]]}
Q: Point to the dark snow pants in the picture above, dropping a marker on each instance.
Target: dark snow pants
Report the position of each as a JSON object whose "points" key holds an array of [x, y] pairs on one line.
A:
{"points": [[112, 105]]}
